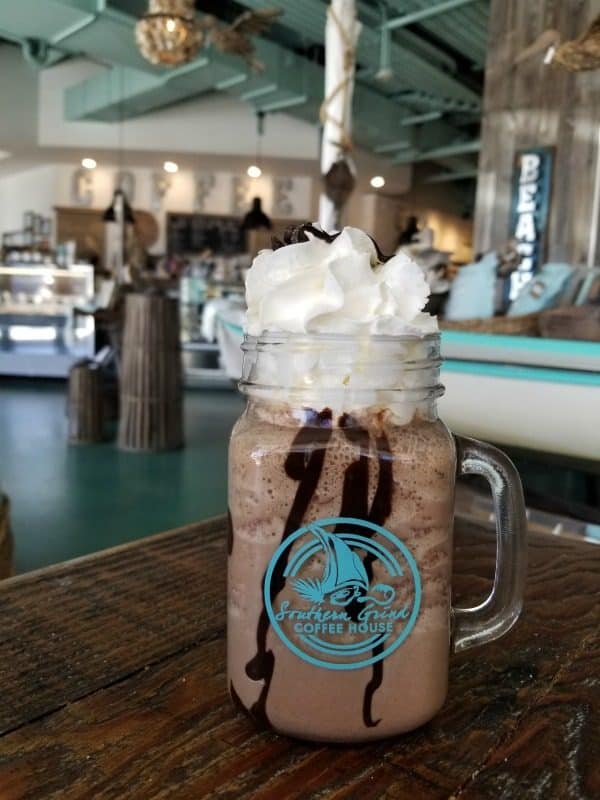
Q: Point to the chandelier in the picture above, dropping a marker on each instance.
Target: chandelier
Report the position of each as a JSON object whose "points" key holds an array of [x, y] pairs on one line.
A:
{"points": [[169, 33]]}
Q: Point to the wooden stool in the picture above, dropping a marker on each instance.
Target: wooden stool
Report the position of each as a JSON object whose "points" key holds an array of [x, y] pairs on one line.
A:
{"points": [[85, 401], [6, 540], [151, 417]]}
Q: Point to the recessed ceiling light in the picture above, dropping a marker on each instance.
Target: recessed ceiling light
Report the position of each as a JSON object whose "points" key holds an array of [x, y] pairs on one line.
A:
{"points": [[377, 181], [88, 163], [170, 166], [254, 171]]}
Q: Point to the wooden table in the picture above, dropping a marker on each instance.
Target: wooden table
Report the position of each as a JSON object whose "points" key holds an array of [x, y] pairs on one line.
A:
{"points": [[112, 685]]}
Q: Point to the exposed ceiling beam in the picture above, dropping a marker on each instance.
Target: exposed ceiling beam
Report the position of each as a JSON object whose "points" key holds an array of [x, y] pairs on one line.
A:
{"points": [[427, 100], [97, 29], [35, 51], [448, 177], [410, 70], [260, 91], [432, 10], [392, 147], [229, 83], [74, 28], [374, 18], [419, 119], [457, 149], [135, 87], [464, 29], [290, 82], [284, 104]]}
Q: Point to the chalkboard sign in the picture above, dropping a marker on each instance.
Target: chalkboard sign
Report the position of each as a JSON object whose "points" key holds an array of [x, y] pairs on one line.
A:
{"points": [[192, 233]]}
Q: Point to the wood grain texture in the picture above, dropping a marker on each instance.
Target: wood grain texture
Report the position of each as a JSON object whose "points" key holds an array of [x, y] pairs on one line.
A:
{"points": [[535, 105], [112, 678], [151, 394], [87, 227], [84, 404]]}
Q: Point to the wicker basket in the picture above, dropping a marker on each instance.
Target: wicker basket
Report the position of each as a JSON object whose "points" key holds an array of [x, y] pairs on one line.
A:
{"points": [[151, 417], [84, 403], [526, 325], [6, 540], [572, 322]]}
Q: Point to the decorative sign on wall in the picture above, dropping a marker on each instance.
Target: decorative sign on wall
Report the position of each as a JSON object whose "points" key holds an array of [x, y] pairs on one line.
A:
{"points": [[283, 192], [161, 184], [205, 183], [125, 180], [82, 187], [242, 192], [529, 211]]}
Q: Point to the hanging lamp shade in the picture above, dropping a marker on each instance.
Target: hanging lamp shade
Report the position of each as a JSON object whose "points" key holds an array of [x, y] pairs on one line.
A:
{"points": [[256, 217], [169, 33], [112, 212]]}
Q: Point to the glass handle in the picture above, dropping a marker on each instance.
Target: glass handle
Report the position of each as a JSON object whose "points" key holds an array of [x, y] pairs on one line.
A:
{"points": [[499, 612]]}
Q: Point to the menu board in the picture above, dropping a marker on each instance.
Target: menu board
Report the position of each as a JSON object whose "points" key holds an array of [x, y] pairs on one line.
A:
{"points": [[193, 233]]}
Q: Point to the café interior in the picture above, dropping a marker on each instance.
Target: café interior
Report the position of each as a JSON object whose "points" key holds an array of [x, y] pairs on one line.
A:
{"points": [[131, 162], [150, 151]]}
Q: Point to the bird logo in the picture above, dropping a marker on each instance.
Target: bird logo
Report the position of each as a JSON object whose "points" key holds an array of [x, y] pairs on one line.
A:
{"points": [[344, 576]]}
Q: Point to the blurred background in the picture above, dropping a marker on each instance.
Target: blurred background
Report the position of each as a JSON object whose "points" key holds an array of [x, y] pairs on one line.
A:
{"points": [[149, 150]]}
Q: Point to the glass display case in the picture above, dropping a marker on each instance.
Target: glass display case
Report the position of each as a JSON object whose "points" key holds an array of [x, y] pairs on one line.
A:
{"points": [[41, 333]]}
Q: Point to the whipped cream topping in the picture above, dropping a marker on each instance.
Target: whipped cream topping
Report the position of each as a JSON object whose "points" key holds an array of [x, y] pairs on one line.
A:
{"points": [[339, 286]]}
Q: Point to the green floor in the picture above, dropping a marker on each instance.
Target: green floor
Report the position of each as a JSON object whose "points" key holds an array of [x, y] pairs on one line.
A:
{"points": [[68, 501]]}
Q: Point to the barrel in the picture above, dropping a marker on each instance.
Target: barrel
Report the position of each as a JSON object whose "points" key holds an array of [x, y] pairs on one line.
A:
{"points": [[151, 402], [84, 406]]}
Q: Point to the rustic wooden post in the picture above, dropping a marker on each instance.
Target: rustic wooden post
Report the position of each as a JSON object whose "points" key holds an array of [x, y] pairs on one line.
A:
{"points": [[528, 104], [151, 413], [84, 408]]}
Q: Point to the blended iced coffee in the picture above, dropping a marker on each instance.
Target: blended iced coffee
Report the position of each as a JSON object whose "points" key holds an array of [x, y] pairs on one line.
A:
{"points": [[341, 488]]}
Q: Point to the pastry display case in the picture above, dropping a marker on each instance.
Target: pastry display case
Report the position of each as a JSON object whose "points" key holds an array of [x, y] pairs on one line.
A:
{"points": [[41, 333]]}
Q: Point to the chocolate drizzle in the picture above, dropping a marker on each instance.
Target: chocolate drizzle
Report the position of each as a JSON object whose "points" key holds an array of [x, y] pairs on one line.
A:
{"points": [[237, 702], [229, 533], [371, 688], [355, 504], [304, 464], [296, 234]]}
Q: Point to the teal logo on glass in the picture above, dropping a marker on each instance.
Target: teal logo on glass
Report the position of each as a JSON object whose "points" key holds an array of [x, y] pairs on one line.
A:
{"points": [[351, 593]]}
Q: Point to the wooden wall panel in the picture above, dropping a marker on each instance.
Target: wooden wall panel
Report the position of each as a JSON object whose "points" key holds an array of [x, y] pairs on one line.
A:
{"points": [[533, 104]]}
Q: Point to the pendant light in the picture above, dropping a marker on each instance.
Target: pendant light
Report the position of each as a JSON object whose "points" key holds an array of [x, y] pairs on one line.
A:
{"points": [[256, 217], [119, 205], [255, 170], [169, 33], [119, 208]]}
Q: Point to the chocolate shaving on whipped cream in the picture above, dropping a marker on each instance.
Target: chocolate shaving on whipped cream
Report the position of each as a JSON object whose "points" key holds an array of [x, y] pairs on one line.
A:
{"points": [[298, 233]]}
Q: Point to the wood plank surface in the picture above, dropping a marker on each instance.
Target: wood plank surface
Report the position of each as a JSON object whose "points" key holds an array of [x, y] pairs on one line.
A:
{"points": [[532, 104], [112, 685]]}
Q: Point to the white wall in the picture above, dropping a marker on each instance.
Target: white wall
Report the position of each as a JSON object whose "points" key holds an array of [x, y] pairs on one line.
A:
{"points": [[33, 190], [42, 188], [215, 123], [215, 134]]}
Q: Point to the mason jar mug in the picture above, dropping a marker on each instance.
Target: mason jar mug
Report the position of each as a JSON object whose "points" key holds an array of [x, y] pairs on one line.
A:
{"points": [[341, 497]]}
